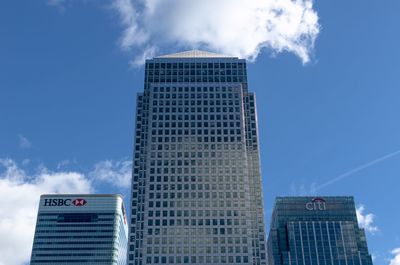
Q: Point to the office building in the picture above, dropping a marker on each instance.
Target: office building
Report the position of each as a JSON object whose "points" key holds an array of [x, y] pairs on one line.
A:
{"points": [[80, 229], [316, 231], [196, 183]]}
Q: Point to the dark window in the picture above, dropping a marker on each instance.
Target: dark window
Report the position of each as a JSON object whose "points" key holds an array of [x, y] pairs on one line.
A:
{"points": [[77, 218]]}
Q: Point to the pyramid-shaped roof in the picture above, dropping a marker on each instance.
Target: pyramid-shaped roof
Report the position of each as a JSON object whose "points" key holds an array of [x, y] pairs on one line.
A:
{"points": [[195, 54]]}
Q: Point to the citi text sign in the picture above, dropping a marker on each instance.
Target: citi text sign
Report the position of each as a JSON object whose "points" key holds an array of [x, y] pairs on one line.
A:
{"points": [[64, 202], [317, 204]]}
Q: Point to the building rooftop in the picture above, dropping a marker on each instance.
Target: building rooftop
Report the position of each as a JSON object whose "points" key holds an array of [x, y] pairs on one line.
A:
{"points": [[195, 54], [81, 195]]}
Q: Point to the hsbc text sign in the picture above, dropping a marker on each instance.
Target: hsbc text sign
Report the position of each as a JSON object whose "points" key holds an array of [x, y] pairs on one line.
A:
{"points": [[317, 204], [64, 202]]}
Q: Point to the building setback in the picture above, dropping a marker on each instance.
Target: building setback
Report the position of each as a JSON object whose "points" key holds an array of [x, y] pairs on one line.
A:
{"points": [[316, 231], [196, 184], [80, 229]]}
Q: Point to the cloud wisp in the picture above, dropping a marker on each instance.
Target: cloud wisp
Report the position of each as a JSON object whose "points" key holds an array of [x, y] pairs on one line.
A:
{"points": [[116, 173], [234, 27], [302, 189], [23, 142], [19, 198], [366, 220]]}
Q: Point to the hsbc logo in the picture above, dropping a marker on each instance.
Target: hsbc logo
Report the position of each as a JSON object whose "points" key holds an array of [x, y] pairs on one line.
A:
{"points": [[79, 202], [317, 204], [64, 202]]}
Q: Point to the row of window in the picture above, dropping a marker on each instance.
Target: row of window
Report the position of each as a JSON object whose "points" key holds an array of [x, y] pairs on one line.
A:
{"points": [[193, 188], [193, 162], [214, 119], [198, 259], [199, 222], [199, 179], [200, 159], [222, 65], [56, 225], [229, 204], [212, 139], [191, 109], [190, 141], [199, 104], [71, 261], [199, 213], [197, 249], [195, 89], [184, 238], [170, 238], [203, 132], [198, 72], [234, 152], [201, 203], [195, 170], [205, 96], [203, 157], [185, 93], [85, 231], [222, 194], [192, 79]]}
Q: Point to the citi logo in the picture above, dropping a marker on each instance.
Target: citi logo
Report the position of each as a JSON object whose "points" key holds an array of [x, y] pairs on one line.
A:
{"points": [[64, 202], [317, 204]]}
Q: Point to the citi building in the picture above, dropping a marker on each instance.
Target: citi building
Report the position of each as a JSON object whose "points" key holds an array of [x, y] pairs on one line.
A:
{"points": [[196, 183], [80, 229], [316, 231]]}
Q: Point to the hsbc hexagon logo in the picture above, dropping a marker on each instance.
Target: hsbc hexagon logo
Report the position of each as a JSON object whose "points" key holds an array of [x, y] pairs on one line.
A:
{"points": [[79, 202], [64, 202]]}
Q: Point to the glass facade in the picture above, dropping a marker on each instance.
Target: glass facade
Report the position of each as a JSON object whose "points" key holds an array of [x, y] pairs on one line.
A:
{"points": [[196, 185], [316, 231], [80, 229]]}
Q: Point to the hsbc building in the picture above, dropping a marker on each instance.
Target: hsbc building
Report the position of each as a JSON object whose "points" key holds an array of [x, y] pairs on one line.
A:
{"points": [[80, 229]]}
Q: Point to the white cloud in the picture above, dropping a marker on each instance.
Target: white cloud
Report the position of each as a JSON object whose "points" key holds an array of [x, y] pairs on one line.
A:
{"points": [[365, 220], [55, 2], [24, 143], [302, 189], [117, 173], [234, 27], [396, 259], [26, 161], [19, 198], [63, 164]]}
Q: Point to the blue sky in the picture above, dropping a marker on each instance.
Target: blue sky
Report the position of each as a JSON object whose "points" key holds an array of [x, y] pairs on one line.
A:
{"points": [[67, 101]]}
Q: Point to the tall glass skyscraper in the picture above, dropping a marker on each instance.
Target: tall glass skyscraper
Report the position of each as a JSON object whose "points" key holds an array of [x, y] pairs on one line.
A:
{"points": [[196, 185], [80, 229], [316, 231]]}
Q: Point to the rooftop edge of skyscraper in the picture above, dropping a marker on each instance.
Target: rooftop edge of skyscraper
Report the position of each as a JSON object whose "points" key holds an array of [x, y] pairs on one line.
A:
{"points": [[82, 194], [194, 54]]}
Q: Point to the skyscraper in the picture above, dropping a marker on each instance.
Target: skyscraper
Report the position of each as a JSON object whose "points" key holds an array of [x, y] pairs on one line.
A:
{"points": [[196, 184], [80, 229], [316, 231]]}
